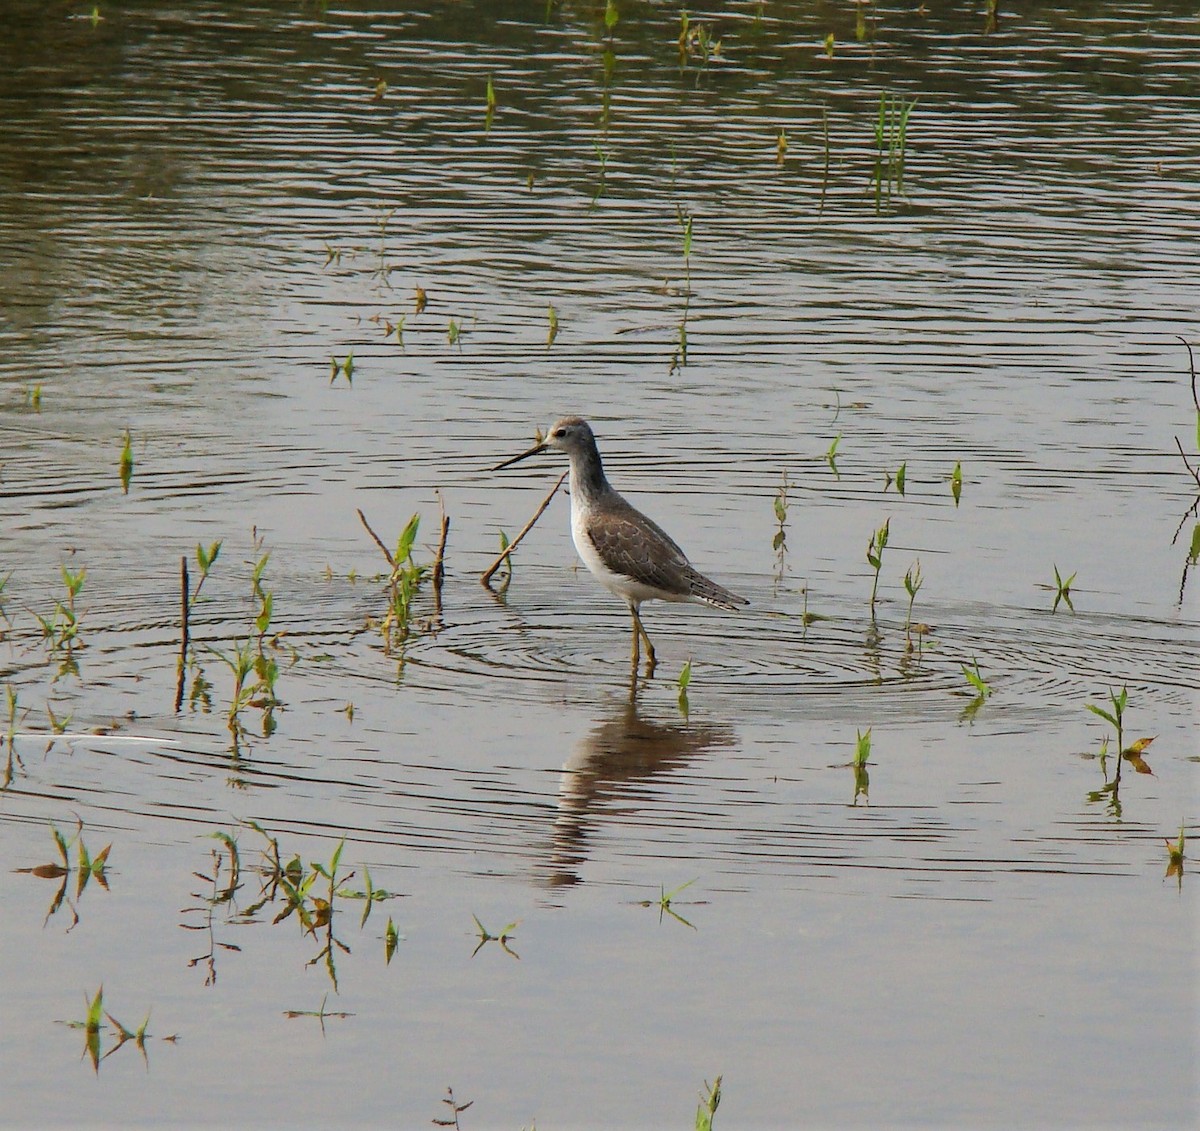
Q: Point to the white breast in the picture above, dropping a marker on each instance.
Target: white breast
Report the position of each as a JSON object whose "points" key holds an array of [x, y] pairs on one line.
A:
{"points": [[588, 555], [624, 587]]}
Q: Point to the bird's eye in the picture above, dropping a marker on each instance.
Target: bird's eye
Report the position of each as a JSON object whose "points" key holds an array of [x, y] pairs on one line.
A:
{"points": [[559, 433]]}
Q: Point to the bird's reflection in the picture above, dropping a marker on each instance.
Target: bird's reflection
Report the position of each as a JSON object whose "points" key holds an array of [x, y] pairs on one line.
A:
{"points": [[622, 750]]}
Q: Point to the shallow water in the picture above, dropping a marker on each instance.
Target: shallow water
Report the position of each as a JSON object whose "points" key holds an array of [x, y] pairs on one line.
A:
{"points": [[200, 211]]}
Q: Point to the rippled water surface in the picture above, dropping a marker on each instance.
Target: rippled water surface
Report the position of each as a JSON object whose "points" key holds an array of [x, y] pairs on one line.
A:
{"points": [[207, 209]]}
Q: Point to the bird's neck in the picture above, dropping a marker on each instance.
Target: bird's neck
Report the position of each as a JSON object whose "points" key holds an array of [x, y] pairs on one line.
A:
{"points": [[588, 482]]}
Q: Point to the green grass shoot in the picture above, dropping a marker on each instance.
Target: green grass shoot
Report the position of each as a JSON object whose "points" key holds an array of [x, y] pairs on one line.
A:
{"points": [[891, 140], [831, 456], [710, 1099], [899, 478], [862, 755], [912, 586], [685, 679], [503, 937], [956, 482], [126, 465], [1116, 718], [1175, 857], [205, 559], [552, 330], [685, 224], [61, 627], [972, 675], [665, 901], [875, 547], [1063, 590], [862, 748]]}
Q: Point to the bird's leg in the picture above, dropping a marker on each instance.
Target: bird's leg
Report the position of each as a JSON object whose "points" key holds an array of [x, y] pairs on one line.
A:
{"points": [[640, 630], [636, 656]]}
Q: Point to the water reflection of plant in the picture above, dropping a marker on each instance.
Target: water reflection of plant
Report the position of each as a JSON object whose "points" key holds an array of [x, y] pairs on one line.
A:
{"points": [[1134, 753], [309, 893], [504, 936], [666, 900], [862, 754], [1175, 859], [93, 1025], [979, 685], [13, 759], [779, 541], [87, 868], [456, 1109], [1194, 548]]}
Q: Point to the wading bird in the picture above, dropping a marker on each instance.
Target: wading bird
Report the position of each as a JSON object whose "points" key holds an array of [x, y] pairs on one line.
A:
{"points": [[631, 555]]}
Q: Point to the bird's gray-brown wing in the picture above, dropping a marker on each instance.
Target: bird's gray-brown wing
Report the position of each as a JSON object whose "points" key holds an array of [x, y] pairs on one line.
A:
{"points": [[632, 545]]}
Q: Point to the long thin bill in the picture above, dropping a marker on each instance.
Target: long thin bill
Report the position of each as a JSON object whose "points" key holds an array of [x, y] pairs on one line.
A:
{"points": [[517, 459]]}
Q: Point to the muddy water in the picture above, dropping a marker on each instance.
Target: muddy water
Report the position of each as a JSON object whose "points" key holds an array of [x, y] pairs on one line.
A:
{"points": [[203, 208]]}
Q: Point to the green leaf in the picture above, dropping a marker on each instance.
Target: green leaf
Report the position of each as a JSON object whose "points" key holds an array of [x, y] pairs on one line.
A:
{"points": [[206, 558], [95, 1010], [975, 679], [901, 474], [126, 462], [407, 537], [263, 621], [369, 895], [1101, 712], [391, 938], [862, 747]]}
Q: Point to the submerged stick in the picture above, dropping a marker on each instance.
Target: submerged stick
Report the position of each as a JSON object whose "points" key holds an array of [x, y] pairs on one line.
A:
{"points": [[378, 541], [183, 636], [439, 563], [489, 573]]}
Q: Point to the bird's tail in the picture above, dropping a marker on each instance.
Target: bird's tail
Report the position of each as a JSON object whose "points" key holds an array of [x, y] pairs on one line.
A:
{"points": [[711, 593]]}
